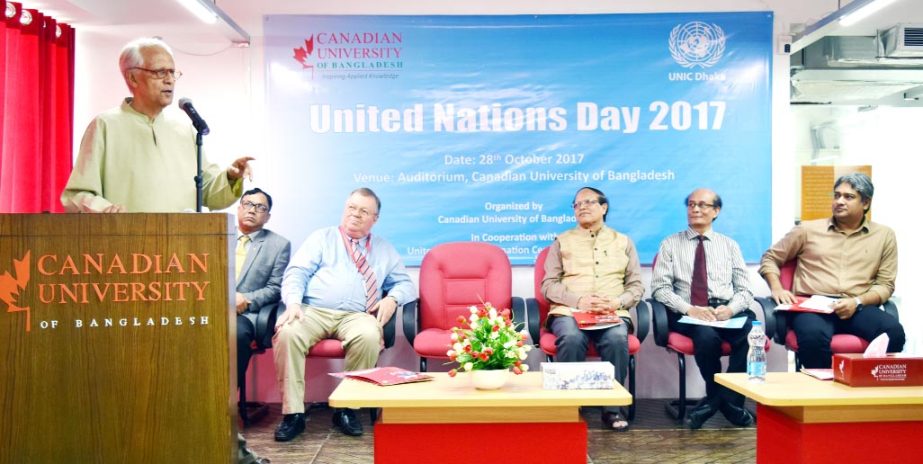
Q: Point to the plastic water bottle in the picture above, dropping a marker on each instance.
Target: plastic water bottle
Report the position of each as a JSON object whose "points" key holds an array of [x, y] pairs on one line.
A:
{"points": [[756, 357]]}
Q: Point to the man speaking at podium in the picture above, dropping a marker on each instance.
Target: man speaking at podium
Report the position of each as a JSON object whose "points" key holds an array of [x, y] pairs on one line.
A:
{"points": [[135, 159]]}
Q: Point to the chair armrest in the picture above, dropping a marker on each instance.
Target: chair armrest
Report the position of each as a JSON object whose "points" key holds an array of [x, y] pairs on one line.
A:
{"points": [[532, 317], [519, 310], [780, 320], [643, 320], [891, 308], [661, 325], [389, 329], [266, 324], [410, 319], [767, 306]]}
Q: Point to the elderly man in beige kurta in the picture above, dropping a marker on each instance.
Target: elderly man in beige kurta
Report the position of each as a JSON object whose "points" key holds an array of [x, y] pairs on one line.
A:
{"points": [[136, 158]]}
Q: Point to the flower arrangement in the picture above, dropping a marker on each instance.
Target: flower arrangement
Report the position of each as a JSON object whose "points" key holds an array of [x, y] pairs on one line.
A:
{"points": [[487, 339]]}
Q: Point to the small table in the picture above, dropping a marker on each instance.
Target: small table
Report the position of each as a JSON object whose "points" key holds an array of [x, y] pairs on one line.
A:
{"points": [[447, 420], [803, 419]]}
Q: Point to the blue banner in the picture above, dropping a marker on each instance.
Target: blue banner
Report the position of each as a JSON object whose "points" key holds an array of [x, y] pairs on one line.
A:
{"points": [[484, 127]]}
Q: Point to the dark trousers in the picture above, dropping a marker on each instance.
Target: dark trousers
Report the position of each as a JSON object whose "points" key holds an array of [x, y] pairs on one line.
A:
{"points": [[707, 344], [815, 331], [611, 344], [246, 334]]}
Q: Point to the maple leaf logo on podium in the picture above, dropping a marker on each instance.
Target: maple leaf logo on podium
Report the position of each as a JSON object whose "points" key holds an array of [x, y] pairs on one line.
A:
{"points": [[302, 54], [10, 287]]}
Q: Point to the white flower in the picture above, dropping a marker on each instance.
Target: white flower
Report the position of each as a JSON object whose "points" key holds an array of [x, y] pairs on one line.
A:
{"points": [[450, 353], [522, 354], [492, 313], [473, 318], [458, 347], [473, 309], [468, 366], [454, 336], [524, 367]]}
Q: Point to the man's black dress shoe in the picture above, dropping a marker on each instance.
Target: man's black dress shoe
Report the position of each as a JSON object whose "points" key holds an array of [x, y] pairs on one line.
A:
{"points": [[347, 422], [292, 425], [737, 415], [701, 413]]}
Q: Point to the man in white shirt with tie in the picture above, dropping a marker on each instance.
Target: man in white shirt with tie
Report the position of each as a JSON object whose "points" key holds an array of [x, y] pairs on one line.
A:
{"points": [[333, 287], [701, 274]]}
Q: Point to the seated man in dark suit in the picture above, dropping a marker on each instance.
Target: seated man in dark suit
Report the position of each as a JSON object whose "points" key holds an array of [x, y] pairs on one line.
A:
{"points": [[701, 273], [847, 257], [261, 258]]}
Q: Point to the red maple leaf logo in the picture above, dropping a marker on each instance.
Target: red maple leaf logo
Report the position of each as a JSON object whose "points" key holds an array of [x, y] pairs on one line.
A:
{"points": [[10, 287], [303, 53]]}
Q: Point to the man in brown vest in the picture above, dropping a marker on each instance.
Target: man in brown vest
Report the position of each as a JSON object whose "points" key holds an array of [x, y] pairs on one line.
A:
{"points": [[592, 268]]}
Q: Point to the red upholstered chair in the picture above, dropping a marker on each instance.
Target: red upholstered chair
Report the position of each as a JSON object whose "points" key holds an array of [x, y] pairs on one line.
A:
{"points": [[453, 277], [538, 308], [840, 343], [682, 346]]}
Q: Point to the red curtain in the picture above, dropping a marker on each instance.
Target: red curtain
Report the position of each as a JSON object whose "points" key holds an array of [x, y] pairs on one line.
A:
{"points": [[37, 118]]}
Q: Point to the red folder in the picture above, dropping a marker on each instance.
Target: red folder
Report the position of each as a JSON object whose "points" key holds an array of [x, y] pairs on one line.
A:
{"points": [[384, 376], [588, 320]]}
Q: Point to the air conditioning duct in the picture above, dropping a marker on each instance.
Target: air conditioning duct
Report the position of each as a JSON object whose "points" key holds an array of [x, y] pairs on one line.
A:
{"points": [[864, 70]]}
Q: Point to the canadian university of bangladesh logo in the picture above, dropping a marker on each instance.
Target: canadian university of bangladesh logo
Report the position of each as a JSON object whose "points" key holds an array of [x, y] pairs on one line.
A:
{"points": [[12, 284], [108, 289], [352, 55], [697, 44]]}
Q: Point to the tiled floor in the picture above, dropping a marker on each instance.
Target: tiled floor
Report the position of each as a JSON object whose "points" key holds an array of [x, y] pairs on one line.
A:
{"points": [[653, 438]]}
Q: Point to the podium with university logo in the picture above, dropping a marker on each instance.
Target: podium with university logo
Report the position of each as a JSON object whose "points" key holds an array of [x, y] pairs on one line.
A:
{"points": [[117, 335]]}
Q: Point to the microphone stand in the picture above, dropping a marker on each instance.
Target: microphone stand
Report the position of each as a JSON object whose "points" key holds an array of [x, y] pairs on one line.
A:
{"points": [[198, 177]]}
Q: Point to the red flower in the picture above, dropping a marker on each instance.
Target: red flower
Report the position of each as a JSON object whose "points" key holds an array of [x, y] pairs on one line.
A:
{"points": [[517, 370], [483, 356], [496, 328], [461, 319], [453, 373]]}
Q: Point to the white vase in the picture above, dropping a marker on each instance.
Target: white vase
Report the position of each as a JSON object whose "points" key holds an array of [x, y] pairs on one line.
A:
{"points": [[489, 379]]}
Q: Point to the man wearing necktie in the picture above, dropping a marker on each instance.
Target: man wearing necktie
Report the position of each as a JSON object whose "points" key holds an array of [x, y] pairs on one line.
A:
{"points": [[333, 288], [701, 274], [260, 260]]}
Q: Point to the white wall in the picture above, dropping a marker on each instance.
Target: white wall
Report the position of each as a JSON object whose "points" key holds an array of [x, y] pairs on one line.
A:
{"points": [[227, 88]]}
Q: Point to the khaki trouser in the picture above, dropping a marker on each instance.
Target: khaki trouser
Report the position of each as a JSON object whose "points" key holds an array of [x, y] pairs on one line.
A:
{"points": [[360, 333]]}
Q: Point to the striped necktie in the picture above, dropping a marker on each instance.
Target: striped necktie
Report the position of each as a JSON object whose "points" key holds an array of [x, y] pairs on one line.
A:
{"points": [[240, 254], [368, 275]]}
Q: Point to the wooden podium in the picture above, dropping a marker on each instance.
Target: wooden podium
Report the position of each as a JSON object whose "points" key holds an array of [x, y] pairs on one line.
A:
{"points": [[116, 337]]}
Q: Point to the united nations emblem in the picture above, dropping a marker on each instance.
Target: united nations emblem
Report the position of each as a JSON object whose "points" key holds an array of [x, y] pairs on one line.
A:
{"points": [[697, 44]]}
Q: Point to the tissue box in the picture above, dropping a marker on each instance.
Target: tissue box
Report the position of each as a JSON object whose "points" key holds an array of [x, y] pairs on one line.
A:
{"points": [[578, 375], [891, 370]]}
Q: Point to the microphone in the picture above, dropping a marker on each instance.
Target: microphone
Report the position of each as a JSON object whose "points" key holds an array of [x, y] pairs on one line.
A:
{"points": [[185, 104]]}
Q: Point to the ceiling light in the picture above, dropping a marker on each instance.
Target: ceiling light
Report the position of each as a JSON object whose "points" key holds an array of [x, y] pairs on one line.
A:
{"points": [[202, 9], [864, 11]]}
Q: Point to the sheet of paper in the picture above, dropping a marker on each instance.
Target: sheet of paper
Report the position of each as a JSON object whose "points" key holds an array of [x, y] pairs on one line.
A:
{"points": [[732, 323], [822, 374]]}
